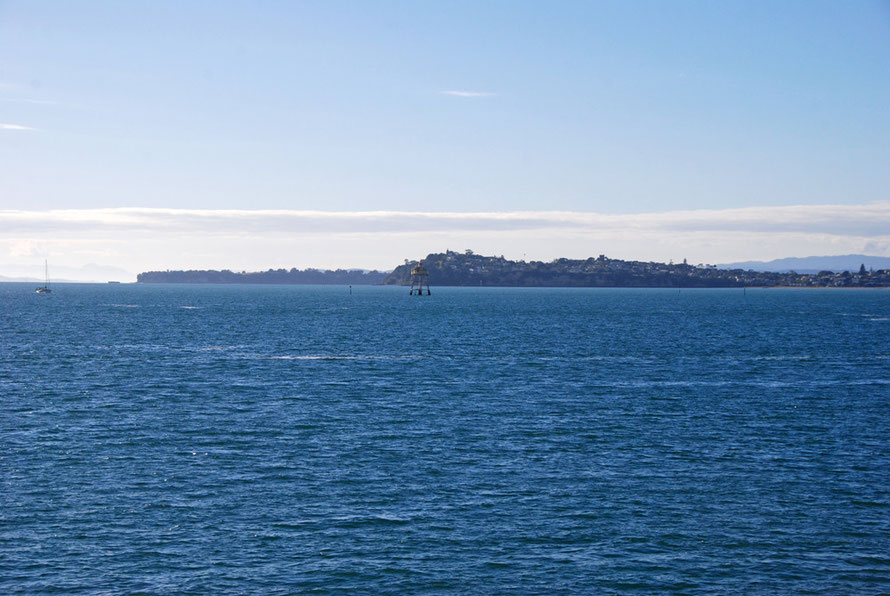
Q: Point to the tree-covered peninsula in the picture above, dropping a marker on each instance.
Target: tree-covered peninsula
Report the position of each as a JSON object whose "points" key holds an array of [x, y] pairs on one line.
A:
{"points": [[469, 269], [272, 276]]}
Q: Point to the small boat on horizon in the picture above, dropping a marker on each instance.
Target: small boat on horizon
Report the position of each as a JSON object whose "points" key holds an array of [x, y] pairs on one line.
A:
{"points": [[44, 289]]}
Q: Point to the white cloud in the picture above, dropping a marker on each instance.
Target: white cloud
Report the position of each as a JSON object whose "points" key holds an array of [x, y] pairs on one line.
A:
{"points": [[139, 239], [456, 93], [5, 126]]}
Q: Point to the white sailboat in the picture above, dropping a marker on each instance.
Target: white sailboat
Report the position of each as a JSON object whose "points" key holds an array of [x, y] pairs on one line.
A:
{"points": [[44, 289]]}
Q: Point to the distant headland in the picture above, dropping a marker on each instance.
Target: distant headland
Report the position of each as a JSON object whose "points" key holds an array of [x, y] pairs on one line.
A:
{"points": [[469, 269], [272, 276]]}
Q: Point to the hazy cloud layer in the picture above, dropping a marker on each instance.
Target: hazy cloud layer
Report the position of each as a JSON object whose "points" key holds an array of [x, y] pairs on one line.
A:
{"points": [[137, 239], [861, 220]]}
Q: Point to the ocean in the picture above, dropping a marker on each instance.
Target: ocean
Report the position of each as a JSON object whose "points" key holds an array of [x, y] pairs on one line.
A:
{"points": [[200, 439]]}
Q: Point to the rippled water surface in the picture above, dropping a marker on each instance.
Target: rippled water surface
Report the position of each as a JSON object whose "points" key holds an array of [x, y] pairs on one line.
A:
{"points": [[266, 439]]}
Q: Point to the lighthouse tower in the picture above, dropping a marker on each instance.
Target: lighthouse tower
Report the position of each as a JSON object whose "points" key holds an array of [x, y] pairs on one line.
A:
{"points": [[419, 277]]}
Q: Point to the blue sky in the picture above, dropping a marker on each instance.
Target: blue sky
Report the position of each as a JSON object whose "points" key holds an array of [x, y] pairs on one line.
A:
{"points": [[591, 107]]}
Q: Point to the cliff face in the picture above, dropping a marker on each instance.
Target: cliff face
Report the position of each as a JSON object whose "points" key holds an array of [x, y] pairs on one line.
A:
{"points": [[468, 269], [400, 276]]}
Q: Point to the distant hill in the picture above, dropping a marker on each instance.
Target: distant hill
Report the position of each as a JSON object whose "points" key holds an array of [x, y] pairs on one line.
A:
{"points": [[89, 273], [34, 280], [838, 263]]}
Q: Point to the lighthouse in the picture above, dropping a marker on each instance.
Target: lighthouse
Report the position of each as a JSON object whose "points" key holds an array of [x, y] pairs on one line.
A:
{"points": [[419, 277]]}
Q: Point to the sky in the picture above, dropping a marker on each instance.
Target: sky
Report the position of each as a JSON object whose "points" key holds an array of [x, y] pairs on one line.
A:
{"points": [[156, 135]]}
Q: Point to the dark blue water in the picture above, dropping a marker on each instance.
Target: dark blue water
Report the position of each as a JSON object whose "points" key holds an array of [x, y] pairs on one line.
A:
{"points": [[215, 439]]}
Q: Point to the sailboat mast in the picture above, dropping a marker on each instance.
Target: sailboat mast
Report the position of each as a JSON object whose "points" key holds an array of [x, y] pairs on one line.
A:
{"points": [[45, 273]]}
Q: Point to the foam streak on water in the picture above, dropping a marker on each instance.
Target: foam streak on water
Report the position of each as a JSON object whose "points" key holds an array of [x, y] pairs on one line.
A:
{"points": [[207, 439]]}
